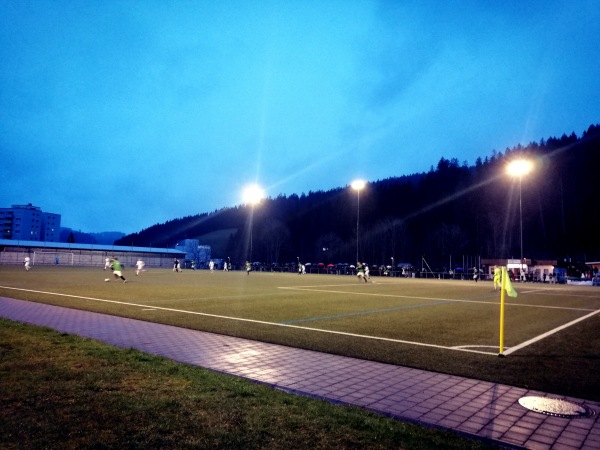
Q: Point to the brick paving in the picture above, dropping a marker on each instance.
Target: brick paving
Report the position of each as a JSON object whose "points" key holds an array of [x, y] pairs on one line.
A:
{"points": [[478, 408]]}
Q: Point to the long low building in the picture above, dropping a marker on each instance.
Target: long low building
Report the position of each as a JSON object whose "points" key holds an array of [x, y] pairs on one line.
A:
{"points": [[52, 253]]}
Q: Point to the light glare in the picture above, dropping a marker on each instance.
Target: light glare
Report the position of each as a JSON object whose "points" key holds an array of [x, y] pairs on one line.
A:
{"points": [[519, 167], [253, 194], [358, 184]]}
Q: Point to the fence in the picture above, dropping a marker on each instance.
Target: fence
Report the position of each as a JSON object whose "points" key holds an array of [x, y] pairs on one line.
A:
{"points": [[86, 258]]}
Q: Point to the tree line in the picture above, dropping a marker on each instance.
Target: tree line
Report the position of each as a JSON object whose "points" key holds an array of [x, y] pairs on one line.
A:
{"points": [[452, 210]]}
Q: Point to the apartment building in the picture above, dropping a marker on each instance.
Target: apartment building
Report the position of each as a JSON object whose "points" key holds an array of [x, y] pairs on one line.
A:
{"points": [[29, 223]]}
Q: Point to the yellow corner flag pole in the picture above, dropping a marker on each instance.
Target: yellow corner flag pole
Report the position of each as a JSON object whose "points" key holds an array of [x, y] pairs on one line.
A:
{"points": [[506, 288], [502, 295]]}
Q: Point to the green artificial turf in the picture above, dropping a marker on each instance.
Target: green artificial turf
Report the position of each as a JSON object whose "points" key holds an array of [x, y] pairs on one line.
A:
{"points": [[427, 324]]}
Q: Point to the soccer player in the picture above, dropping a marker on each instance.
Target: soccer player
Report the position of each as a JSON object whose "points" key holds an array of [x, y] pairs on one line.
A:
{"points": [[26, 261], [497, 273], [139, 266], [360, 271], [107, 264], [116, 266]]}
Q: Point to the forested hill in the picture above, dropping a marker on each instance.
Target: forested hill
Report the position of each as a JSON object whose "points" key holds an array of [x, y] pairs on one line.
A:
{"points": [[451, 211]]}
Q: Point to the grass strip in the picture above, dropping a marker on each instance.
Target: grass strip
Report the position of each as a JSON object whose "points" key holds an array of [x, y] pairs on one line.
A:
{"points": [[63, 391]]}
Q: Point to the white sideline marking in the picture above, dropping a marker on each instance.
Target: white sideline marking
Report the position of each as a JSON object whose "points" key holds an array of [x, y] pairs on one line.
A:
{"points": [[255, 321], [468, 348], [455, 348], [549, 333], [310, 289]]}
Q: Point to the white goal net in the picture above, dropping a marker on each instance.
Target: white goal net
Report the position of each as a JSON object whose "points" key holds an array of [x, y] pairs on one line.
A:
{"points": [[40, 258]]}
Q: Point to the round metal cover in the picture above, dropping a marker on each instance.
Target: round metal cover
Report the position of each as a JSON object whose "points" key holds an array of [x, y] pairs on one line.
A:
{"points": [[554, 407]]}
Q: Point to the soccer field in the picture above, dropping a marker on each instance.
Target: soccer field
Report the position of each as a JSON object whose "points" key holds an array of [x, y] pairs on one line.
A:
{"points": [[450, 326]]}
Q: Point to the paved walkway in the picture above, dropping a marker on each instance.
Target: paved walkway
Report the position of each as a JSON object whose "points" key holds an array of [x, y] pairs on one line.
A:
{"points": [[477, 408]]}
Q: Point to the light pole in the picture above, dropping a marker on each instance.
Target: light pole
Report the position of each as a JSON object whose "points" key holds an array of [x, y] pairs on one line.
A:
{"points": [[518, 168], [253, 194], [357, 185]]}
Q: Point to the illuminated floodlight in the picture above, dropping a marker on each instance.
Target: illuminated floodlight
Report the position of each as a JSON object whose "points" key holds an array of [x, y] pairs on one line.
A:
{"points": [[358, 185], [253, 194], [519, 167]]}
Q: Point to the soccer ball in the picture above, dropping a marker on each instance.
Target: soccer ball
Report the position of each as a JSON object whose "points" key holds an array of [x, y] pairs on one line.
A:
{"points": [[107, 279]]}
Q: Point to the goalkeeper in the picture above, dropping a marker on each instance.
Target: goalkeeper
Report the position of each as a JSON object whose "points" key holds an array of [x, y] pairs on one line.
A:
{"points": [[497, 273]]}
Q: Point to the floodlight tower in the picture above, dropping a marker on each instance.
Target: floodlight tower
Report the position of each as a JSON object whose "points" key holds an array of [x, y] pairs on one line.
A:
{"points": [[519, 168], [357, 185], [253, 194]]}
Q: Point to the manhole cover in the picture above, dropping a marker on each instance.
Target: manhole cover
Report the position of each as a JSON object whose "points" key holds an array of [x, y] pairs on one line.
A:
{"points": [[554, 407]]}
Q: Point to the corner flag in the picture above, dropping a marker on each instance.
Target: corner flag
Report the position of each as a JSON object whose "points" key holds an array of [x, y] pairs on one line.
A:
{"points": [[507, 287], [510, 290]]}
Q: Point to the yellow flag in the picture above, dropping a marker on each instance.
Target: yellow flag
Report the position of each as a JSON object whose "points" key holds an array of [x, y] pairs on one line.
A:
{"points": [[510, 290]]}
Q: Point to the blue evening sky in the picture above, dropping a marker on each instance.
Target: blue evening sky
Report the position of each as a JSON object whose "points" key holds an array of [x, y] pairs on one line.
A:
{"points": [[123, 114]]}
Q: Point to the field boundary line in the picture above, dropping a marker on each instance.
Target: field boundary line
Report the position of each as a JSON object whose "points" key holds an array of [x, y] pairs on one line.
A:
{"points": [[142, 306], [549, 333], [342, 333], [437, 299]]}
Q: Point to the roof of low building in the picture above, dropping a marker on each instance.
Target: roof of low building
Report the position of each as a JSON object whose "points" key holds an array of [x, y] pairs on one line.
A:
{"points": [[76, 246]]}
